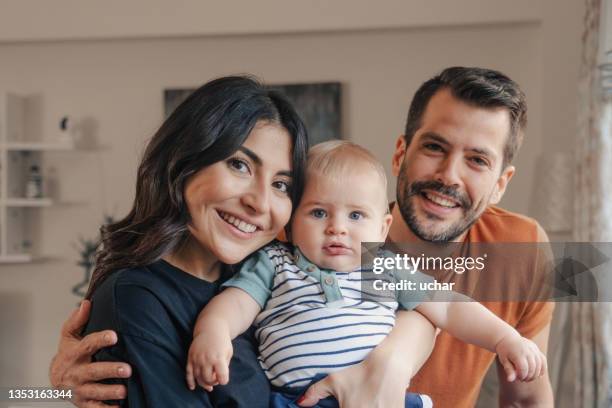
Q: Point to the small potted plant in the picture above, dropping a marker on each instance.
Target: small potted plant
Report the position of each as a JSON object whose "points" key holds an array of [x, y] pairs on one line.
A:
{"points": [[87, 250]]}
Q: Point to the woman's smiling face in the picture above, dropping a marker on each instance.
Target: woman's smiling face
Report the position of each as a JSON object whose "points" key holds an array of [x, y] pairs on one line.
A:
{"points": [[239, 204]]}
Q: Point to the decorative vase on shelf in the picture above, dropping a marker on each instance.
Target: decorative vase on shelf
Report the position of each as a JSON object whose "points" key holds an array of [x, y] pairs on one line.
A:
{"points": [[34, 185]]}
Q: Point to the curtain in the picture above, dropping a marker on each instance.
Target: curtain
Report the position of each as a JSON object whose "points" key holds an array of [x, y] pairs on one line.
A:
{"points": [[587, 348]]}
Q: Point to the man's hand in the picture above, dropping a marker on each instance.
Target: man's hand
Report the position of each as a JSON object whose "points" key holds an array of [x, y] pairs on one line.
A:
{"points": [[71, 368], [361, 386], [208, 360]]}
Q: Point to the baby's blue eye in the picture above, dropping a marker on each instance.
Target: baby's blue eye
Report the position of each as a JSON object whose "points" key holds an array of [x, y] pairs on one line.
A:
{"points": [[318, 213], [355, 215]]}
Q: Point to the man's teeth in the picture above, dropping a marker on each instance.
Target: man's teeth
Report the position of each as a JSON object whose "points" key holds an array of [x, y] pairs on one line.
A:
{"points": [[440, 201], [238, 223]]}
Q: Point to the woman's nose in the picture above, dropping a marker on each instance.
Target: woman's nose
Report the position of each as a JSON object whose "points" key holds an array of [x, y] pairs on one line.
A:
{"points": [[257, 199]]}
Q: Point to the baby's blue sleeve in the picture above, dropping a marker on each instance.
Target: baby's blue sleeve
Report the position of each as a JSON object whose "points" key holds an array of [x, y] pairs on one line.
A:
{"points": [[409, 299], [255, 277]]}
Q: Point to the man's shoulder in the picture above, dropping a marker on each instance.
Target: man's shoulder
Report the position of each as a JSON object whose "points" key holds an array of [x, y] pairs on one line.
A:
{"points": [[499, 225]]}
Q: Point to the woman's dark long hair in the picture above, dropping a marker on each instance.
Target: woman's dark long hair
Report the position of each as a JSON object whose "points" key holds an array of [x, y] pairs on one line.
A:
{"points": [[206, 128]]}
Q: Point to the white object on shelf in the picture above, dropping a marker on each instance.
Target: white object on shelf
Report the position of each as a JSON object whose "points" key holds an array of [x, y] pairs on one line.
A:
{"points": [[34, 185]]}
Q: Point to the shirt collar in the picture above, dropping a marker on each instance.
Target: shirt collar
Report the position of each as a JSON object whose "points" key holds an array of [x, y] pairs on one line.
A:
{"points": [[302, 262]]}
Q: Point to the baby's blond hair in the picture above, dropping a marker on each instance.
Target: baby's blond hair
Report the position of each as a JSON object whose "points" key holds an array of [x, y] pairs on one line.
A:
{"points": [[339, 158]]}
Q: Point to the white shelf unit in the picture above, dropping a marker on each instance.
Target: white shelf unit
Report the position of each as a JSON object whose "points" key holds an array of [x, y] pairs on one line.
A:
{"points": [[37, 146], [19, 216]]}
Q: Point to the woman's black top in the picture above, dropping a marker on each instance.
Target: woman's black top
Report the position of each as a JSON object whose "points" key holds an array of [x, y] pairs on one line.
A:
{"points": [[153, 310]]}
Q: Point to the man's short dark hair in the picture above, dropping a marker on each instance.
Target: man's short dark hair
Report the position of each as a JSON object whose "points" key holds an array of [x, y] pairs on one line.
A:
{"points": [[480, 87]]}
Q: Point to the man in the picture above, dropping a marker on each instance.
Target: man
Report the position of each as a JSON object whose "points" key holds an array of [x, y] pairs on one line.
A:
{"points": [[453, 164]]}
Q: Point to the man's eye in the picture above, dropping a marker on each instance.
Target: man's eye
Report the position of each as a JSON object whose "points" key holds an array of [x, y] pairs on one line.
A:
{"points": [[479, 161], [239, 165], [282, 186], [434, 147], [356, 215], [318, 213]]}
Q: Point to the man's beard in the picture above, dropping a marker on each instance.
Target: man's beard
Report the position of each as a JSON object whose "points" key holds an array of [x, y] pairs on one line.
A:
{"points": [[406, 191]]}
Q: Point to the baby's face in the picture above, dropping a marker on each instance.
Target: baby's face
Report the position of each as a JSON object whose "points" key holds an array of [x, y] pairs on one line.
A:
{"points": [[335, 216]]}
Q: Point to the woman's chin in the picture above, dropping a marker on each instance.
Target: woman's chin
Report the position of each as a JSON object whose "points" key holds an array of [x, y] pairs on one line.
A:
{"points": [[233, 253]]}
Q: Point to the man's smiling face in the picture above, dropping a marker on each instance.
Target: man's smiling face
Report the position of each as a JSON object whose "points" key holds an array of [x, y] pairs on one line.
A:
{"points": [[452, 168]]}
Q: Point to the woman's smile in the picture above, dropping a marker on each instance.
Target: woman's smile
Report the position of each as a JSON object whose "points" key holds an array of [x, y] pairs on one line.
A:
{"points": [[238, 223]]}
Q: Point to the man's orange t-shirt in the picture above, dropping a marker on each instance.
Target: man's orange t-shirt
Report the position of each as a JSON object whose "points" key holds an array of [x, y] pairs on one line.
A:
{"points": [[454, 372]]}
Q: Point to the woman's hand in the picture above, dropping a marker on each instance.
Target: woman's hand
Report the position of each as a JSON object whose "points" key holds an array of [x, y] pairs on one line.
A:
{"points": [[382, 378], [71, 368]]}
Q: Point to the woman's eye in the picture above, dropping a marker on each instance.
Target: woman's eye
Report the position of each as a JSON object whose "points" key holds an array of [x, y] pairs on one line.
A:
{"points": [[318, 213], [282, 186], [239, 165], [356, 215]]}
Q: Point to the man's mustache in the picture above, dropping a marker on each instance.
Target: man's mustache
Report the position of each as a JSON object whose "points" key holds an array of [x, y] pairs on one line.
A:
{"points": [[419, 187]]}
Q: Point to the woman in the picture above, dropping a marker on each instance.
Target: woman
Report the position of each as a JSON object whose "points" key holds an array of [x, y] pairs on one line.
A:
{"points": [[217, 182]]}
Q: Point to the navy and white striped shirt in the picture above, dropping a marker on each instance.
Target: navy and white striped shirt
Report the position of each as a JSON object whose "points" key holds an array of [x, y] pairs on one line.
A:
{"points": [[313, 321]]}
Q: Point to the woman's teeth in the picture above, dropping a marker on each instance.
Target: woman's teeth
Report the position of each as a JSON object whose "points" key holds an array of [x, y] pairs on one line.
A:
{"points": [[238, 223]]}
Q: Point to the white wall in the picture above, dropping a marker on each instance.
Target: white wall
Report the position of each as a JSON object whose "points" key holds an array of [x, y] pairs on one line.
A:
{"points": [[33, 20], [116, 86]]}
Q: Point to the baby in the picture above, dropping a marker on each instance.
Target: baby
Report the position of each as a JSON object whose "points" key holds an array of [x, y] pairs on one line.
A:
{"points": [[307, 300]]}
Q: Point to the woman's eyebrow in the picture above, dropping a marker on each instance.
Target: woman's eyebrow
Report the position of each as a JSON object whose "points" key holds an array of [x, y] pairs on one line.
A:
{"points": [[257, 160], [252, 155]]}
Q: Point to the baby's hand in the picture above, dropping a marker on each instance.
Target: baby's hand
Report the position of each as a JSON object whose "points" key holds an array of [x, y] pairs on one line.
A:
{"points": [[208, 360], [521, 358]]}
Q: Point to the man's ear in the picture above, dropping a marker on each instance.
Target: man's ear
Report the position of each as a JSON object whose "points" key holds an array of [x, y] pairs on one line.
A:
{"points": [[398, 155], [502, 183], [386, 224]]}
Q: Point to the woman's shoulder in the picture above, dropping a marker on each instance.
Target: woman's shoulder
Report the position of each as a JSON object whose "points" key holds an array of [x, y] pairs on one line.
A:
{"points": [[150, 298], [124, 294], [158, 279], [130, 279], [143, 302]]}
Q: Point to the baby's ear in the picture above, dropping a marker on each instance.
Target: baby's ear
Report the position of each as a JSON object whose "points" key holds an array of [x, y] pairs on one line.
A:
{"points": [[386, 224]]}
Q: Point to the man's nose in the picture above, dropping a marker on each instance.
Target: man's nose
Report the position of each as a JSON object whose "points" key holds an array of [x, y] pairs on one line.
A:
{"points": [[449, 171]]}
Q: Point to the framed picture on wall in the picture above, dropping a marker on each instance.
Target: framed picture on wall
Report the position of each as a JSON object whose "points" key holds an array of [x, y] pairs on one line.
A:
{"points": [[318, 104]]}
